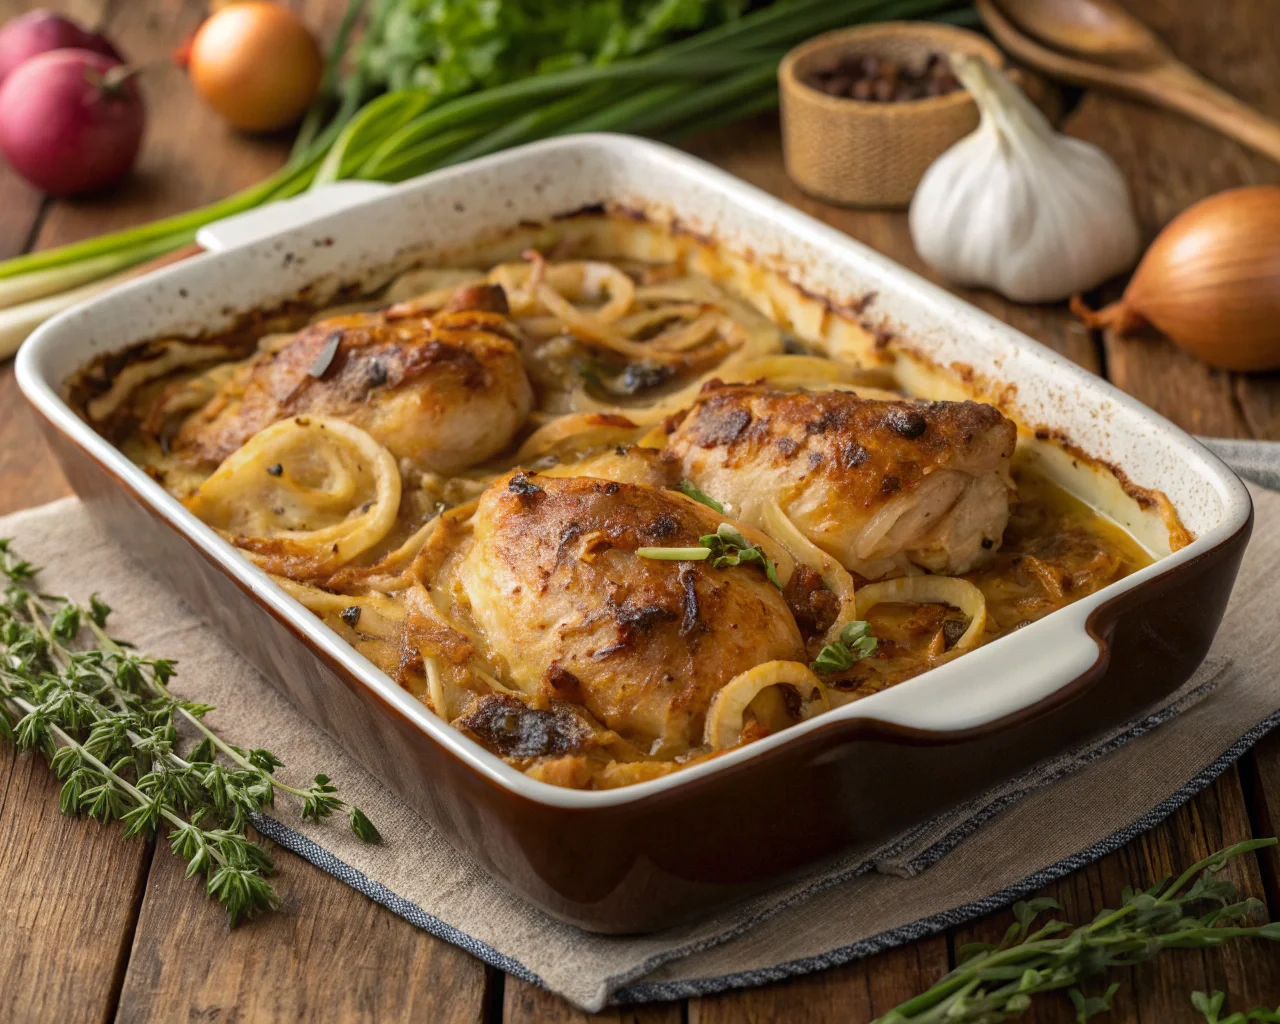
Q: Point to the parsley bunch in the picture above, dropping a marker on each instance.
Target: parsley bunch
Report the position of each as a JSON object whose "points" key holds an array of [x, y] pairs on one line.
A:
{"points": [[104, 717], [448, 47]]}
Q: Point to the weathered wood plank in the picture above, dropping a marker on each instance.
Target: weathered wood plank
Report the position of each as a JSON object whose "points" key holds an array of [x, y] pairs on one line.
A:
{"points": [[1259, 398], [68, 889], [1170, 163], [189, 156], [527, 1004], [328, 953], [856, 992], [1160, 990]]}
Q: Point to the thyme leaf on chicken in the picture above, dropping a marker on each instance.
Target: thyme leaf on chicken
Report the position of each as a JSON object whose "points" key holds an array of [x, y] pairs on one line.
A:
{"points": [[855, 643], [726, 547], [104, 717], [998, 982]]}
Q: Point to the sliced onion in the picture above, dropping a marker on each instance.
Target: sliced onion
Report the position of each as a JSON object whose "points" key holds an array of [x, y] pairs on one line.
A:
{"points": [[728, 707], [172, 355], [586, 429], [591, 329], [379, 616], [435, 687], [360, 488], [589, 280], [932, 590], [833, 574]]}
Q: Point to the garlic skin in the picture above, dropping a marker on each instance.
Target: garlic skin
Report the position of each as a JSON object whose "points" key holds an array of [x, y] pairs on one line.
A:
{"points": [[1018, 207]]}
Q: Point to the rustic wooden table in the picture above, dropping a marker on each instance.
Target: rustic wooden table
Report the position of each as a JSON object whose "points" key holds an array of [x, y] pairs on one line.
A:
{"points": [[95, 927]]}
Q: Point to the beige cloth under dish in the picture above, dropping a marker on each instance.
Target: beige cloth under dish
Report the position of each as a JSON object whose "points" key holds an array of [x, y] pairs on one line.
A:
{"points": [[967, 862]]}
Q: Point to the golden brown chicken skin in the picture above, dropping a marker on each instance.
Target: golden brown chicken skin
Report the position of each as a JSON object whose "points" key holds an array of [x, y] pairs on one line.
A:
{"points": [[555, 583], [444, 392], [880, 485]]}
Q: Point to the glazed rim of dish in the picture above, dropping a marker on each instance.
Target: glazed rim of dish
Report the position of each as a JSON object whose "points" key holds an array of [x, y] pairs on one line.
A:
{"points": [[988, 684]]}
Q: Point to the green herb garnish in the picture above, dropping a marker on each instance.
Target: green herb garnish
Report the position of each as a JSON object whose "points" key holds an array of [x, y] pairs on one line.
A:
{"points": [[729, 547], [726, 547], [1211, 1006], [104, 717], [691, 490], [675, 554], [855, 643], [997, 982]]}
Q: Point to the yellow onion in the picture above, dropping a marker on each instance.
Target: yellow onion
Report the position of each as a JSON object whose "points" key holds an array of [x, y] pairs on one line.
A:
{"points": [[256, 65], [1210, 282]]}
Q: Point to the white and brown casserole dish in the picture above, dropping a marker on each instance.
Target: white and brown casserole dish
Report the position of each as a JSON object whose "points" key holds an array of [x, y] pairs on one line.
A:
{"points": [[577, 492]]}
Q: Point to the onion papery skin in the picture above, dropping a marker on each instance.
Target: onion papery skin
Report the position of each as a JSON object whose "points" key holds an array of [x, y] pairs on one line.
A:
{"points": [[1211, 282]]}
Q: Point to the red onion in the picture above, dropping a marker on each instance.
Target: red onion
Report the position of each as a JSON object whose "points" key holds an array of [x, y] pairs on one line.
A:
{"points": [[71, 121], [39, 31]]}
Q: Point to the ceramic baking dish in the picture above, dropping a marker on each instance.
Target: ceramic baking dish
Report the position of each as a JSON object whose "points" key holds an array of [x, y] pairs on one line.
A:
{"points": [[641, 857]]}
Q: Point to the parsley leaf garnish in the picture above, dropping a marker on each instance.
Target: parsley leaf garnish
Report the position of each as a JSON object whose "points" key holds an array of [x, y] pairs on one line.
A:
{"points": [[726, 547], [855, 643]]}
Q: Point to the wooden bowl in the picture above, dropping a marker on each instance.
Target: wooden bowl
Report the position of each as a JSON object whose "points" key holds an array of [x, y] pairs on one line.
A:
{"points": [[865, 153]]}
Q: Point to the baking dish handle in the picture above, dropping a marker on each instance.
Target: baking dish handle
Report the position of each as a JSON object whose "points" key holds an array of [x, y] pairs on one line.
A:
{"points": [[286, 214], [1024, 671]]}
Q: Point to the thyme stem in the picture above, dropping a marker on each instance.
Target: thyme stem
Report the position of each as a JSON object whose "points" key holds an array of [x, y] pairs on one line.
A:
{"points": [[106, 720]]}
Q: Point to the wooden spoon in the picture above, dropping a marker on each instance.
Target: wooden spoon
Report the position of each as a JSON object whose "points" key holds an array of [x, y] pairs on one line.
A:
{"points": [[1095, 30], [1096, 43]]}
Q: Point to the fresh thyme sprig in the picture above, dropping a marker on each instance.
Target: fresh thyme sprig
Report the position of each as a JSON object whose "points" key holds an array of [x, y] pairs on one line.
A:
{"points": [[106, 720], [726, 547], [855, 643], [997, 982]]}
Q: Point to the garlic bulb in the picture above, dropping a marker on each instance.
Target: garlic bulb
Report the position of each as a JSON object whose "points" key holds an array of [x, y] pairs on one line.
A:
{"points": [[1018, 207]]}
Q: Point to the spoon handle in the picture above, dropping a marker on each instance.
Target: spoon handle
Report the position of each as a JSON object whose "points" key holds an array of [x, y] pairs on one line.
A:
{"points": [[1169, 84], [1178, 87]]}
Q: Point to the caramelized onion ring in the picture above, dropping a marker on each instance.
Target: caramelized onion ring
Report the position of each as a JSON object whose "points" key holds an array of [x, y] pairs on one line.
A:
{"points": [[932, 590], [833, 574], [725, 715], [319, 467]]}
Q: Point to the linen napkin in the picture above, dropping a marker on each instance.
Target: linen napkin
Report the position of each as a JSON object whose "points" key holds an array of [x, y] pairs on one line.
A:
{"points": [[967, 862]]}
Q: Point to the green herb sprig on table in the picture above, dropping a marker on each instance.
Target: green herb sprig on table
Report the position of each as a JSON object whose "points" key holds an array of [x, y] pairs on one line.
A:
{"points": [[1211, 1007], [855, 643], [726, 547], [993, 983], [103, 715]]}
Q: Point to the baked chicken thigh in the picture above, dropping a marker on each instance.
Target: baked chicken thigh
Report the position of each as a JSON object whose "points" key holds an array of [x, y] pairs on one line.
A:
{"points": [[554, 581], [443, 393], [879, 485]]}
